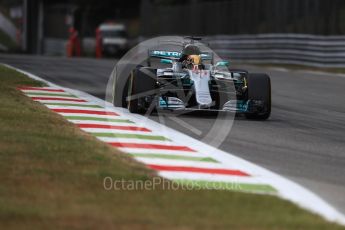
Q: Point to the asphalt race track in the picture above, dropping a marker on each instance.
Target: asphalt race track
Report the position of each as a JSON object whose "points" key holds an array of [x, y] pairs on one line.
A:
{"points": [[303, 140]]}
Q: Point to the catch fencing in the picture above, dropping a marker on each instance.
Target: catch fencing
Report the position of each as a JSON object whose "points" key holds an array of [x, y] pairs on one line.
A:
{"points": [[303, 49]]}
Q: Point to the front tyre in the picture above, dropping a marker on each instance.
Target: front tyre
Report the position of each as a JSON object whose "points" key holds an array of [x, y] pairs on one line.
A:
{"points": [[259, 96], [140, 87]]}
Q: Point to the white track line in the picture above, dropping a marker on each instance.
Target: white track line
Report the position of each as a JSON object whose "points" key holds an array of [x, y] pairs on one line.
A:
{"points": [[103, 123], [211, 177], [65, 102], [74, 107], [182, 163], [136, 140], [51, 96], [181, 154], [99, 130], [92, 115], [81, 114], [163, 151], [44, 92]]}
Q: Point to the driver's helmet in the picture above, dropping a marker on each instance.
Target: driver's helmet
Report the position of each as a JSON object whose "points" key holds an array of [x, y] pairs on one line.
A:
{"points": [[191, 56], [194, 59], [191, 50]]}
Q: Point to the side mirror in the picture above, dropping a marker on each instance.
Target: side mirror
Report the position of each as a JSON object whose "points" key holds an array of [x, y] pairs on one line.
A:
{"points": [[166, 61], [222, 63]]}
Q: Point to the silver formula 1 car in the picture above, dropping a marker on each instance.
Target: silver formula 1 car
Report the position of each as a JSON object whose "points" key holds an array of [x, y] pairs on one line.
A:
{"points": [[193, 82]]}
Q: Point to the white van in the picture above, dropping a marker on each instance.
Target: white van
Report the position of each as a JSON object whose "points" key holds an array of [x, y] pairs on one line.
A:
{"points": [[114, 38]]}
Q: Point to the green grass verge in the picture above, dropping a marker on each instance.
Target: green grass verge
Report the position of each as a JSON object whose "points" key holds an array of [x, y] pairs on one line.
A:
{"points": [[52, 174]]}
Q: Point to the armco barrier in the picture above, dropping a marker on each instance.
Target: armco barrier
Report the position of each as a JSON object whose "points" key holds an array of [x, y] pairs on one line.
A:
{"points": [[304, 49]]}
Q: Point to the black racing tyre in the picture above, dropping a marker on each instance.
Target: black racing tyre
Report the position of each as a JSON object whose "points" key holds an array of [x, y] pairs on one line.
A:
{"points": [[139, 86], [120, 85], [125, 94], [259, 88]]}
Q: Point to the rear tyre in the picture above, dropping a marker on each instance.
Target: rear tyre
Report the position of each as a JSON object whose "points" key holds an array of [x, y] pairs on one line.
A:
{"points": [[259, 89], [139, 87]]}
